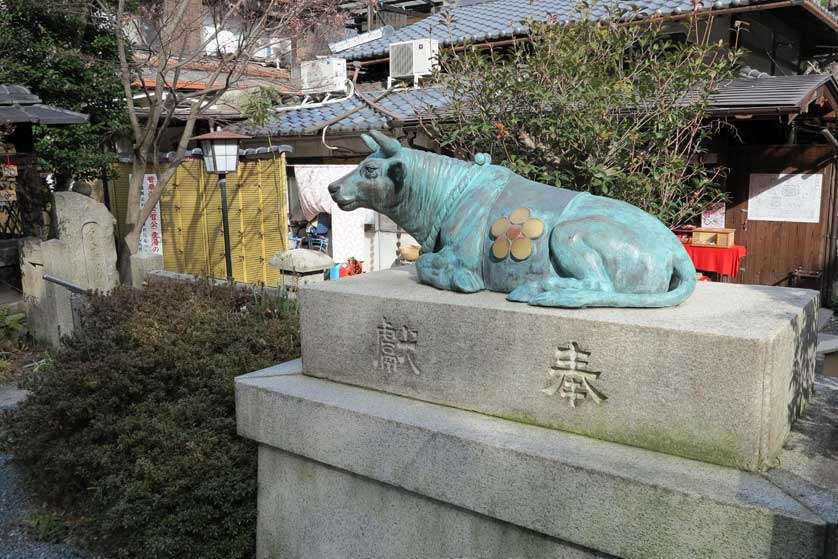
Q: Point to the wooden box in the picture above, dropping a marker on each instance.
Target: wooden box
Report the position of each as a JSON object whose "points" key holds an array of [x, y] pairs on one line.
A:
{"points": [[830, 364], [705, 237]]}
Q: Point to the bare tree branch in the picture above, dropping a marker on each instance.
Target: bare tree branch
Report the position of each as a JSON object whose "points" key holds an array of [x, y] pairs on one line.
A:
{"points": [[166, 49]]}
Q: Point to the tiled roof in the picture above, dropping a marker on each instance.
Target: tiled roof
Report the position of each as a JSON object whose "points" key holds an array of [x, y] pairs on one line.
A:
{"points": [[782, 94], [779, 93], [198, 74], [19, 105], [304, 121], [17, 94], [480, 21]]}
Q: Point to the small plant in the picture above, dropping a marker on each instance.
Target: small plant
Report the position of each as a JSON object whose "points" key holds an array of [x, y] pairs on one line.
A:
{"points": [[259, 103], [11, 327], [48, 527], [6, 369]]}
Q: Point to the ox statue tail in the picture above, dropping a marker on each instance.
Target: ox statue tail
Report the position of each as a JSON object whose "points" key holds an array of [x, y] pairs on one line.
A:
{"points": [[683, 280]]}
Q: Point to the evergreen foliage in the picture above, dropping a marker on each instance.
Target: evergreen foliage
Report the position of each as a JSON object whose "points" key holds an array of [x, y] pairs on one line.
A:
{"points": [[132, 429], [613, 103], [62, 54]]}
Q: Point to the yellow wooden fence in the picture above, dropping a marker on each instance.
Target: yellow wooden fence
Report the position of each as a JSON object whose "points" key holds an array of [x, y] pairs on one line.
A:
{"points": [[190, 209]]}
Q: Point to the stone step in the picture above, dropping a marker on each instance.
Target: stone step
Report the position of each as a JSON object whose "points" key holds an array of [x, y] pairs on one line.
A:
{"points": [[601, 496], [827, 343], [719, 378], [824, 318]]}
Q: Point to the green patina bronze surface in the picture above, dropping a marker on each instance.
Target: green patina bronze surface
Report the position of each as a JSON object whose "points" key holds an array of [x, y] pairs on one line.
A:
{"points": [[481, 226]]}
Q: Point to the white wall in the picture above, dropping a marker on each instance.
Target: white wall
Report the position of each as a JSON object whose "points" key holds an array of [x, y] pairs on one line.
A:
{"points": [[380, 249]]}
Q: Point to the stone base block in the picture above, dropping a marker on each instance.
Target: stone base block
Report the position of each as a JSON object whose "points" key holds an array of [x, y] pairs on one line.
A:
{"points": [[308, 510], [50, 312], [719, 378], [142, 265], [371, 473]]}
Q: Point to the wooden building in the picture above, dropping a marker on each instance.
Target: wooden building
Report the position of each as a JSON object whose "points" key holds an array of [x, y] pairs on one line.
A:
{"points": [[21, 209], [780, 119], [780, 152]]}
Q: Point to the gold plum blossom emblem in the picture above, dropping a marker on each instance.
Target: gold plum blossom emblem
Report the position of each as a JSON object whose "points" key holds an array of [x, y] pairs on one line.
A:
{"points": [[514, 235]]}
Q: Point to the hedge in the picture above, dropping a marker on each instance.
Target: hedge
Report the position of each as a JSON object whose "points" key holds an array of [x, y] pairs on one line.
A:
{"points": [[132, 429]]}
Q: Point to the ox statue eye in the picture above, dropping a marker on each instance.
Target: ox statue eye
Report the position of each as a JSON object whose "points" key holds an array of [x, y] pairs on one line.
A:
{"points": [[370, 172]]}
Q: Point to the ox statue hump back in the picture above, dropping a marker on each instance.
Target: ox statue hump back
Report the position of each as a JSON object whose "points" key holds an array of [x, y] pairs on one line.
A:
{"points": [[481, 226]]}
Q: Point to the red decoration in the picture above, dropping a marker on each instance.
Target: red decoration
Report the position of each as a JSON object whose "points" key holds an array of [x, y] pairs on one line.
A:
{"points": [[724, 261], [351, 268]]}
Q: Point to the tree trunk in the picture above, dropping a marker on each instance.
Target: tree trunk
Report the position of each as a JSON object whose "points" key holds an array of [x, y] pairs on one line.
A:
{"points": [[129, 244], [33, 198]]}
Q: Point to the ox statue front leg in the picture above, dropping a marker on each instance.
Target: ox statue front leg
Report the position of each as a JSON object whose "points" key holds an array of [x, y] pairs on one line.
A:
{"points": [[447, 270]]}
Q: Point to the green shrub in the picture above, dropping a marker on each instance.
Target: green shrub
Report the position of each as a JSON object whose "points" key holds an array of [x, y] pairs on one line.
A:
{"points": [[133, 426], [597, 105]]}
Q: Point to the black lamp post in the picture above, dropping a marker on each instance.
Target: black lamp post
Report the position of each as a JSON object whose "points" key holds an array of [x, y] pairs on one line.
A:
{"points": [[221, 156]]}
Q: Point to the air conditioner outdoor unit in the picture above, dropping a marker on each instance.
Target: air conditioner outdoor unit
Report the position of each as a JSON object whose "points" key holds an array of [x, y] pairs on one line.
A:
{"points": [[412, 59], [327, 75]]}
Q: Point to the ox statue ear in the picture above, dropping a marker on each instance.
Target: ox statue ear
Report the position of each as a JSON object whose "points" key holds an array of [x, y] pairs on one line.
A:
{"points": [[372, 144], [389, 146]]}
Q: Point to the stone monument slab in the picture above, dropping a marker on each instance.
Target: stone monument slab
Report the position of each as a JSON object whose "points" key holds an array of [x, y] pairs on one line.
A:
{"points": [[86, 229], [84, 255], [719, 378]]}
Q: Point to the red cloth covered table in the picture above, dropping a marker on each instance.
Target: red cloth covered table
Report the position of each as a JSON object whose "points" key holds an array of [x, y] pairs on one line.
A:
{"points": [[723, 261]]}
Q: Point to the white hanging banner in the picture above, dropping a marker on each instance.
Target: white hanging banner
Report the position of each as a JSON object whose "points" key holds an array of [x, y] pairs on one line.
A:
{"points": [[151, 236], [347, 238], [313, 186], [785, 197]]}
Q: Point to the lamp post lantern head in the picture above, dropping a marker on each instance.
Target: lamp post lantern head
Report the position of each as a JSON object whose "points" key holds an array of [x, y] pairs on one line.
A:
{"points": [[221, 151]]}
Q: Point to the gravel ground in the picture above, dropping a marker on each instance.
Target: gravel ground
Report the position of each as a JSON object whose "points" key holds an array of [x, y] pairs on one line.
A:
{"points": [[10, 395], [15, 506]]}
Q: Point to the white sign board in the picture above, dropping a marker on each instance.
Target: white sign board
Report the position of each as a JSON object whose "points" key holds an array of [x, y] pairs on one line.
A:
{"points": [[713, 216], [151, 237], [785, 197]]}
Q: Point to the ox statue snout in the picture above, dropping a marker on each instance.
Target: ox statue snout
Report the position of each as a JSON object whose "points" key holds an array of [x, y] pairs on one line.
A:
{"points": [[334, 188]]}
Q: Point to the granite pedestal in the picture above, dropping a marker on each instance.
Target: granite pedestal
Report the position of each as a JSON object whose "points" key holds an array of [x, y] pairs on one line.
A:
{"points": [[351, 473], [424, 423], [719, 378]]}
